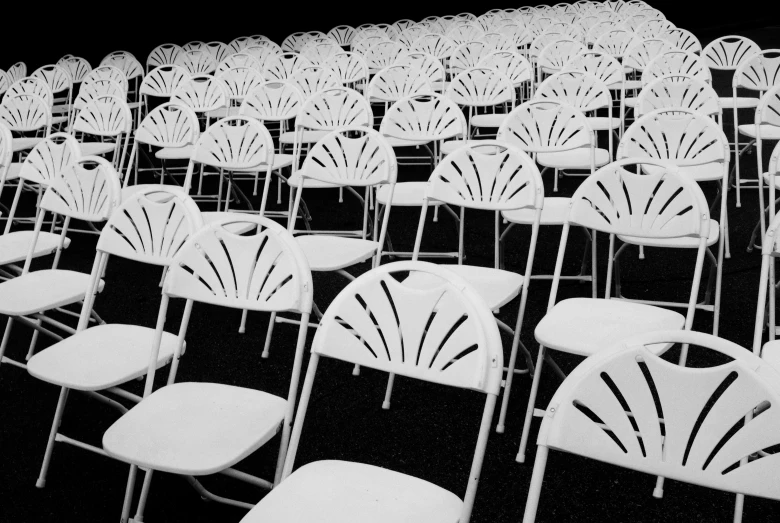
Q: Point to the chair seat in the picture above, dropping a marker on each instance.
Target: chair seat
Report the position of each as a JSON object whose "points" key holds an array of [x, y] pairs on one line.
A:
{"points": [[630, 102], [175, 153], [743, 102], [585, 326], [488, 120], [15, 245], [497, 287], [13, 171], [309, 183], [632, 84], [39, 291], [56, 120], [573, 159], [440, 87], [195, 428], [307, 136], [554, 212], [706, 172], [452, 145], [602, 123], [401, 142], [685, 242], [771, 353], [768, 132], [24, 143], [346, 492], [406, 194], [777, 180], [96, 148], [235, 228], [100, 357], [331, 253]]}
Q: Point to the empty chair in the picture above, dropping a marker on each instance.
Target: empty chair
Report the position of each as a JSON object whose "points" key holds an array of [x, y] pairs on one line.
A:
{"points": [[684, 91], [313, 79], [282, 67], [348, 492], [164, 54], [106, 118], [351, 68], [197, 61], [26, 113]]}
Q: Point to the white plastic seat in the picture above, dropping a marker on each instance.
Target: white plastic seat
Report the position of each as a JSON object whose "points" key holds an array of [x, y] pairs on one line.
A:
{"points": [[15, 245], [553, 213], [39, 291], [13, 172], [683, 242], [451, 145], [24, 143], [706, 172], [100, 357], [175, 153], [195, 428], [593, 325], [742, 102], [347, 492], [630, 102], [400, 142], [307, 136], [331, 253], [632, 84], [574, 158], [488, 120], [497, 287], [236, 228], [768, 131], [602, 123], [770, 353], [96, 148], [406, 194]]}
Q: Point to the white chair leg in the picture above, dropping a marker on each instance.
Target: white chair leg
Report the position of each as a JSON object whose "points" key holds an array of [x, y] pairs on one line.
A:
{"points": [[268, 335], [555, 180], [55, 426], [658, 493], [139, 512], [508, 382], [529, 412], [356, 370], [739, 505], [129, 494], [736, 159], [33, 342], [535, 490], [6, 335], [388, 392], [242, 327]]}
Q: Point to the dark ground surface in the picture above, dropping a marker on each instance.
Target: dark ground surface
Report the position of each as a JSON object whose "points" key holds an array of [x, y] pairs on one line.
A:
{"points": [[430, 432]]}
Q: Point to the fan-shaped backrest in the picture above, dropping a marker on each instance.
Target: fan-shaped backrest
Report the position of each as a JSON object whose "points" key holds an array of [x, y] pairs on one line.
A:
{"points": [[758, 72], [202, 93], [151, 225], [616, 42], [95, 89], [33, 86], [727, 52], [676, 63], [682, 39], [239, 60], [17, 71], [639, 55], [77, 67], [197, 61], [465, 32], [87, 189], [444, 334], [240, 43], [55, 76], [395, 82], [681, 136], [342, 34], [558, 53], [383, 54], [768, 110], [274, 101], [489, 175], [25, 112], [428, 65], [662, 204], [294, 42], [468, 54], [264, 271], [354, 156], [47, 160], [234, 143], [424, 117], [576, 88], [195, 45], [171, 124], [104, 116], [434, 44], [319, 52], [6, 151], [164, 54], [678, 91], [601, 65], [598, 29], [125, 62], [163, 80], [218, 50], [701, 440], [546, 126], [481, 87], [313, 79], [335, 107], [410, 35], [513, 65], [282, 67], [350, 67], [5, 82], [497, 41], [240, 81], [106, 72]]}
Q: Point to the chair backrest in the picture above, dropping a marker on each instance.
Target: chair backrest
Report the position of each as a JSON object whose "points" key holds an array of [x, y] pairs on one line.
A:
{"points": [[342, 34], [313, 79], [104, 116], [335, 107], [151, 225], [56, 77], [172, 124], [202, 93], [87, 189], [283, 66], [319, 51], [164, 54], [557, 54], [106, 72], [238, 59], [273, 101], [512, 64], [264, 271], [17, 71], [163, 80], [676, 63], [424, 117], [395, 82], [601, 65], [727, 52], [465, 32], [383, 54], [468, 54], [294, 42], [427, 64], [218, 50], [639, 55], [683, 91], [759, 71], [682, 39], [410, 35], [768, 110], [350, 67], [698, 441], [680, 136], [546, 126], [434, 44], [25, 113], [240, 81], [598, 29], [653, 27], [33, 86], [240, 43], [576, 88], [5, 82], [616, 42], [481, 87], [6, 152], [413, 338], [126, 62], [542, 41], [77, 67], [498, 41], [49, 158], [197, 61], [195, 45]]}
